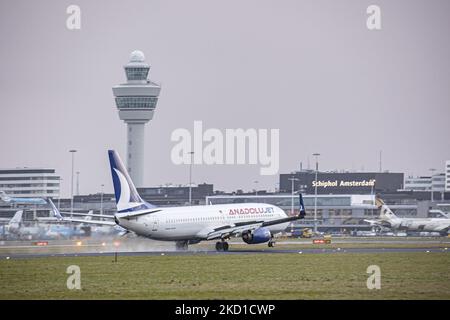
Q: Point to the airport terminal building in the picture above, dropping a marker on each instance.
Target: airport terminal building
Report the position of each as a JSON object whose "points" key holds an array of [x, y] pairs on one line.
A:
{"points": [[30, 182]]}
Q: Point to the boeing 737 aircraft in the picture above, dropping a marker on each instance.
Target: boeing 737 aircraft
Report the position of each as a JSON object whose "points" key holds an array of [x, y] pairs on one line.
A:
{"points": [[254, 222], [9, 199], [389, 220]]}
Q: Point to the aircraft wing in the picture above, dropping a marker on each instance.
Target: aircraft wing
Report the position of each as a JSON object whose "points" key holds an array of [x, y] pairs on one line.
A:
{"points": [[238, 228], [89, 215], [97, 222], [230, 230], [373, 222], [59, 216]]}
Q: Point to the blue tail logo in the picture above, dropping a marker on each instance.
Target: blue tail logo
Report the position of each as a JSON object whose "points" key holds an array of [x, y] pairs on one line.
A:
{"points": [[127, 197], [55, 210], [302, 207]]}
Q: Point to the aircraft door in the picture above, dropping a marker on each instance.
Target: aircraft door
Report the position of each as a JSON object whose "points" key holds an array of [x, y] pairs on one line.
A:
{"points": [[155, 225]]}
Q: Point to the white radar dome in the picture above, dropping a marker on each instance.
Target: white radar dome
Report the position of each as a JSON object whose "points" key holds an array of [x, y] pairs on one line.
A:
{"points": [[137, 56]]}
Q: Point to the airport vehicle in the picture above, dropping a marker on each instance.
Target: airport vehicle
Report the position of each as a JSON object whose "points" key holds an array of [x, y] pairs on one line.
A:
{"points": [[9, 199], [254, 222], [302, 233], [390, 220]]}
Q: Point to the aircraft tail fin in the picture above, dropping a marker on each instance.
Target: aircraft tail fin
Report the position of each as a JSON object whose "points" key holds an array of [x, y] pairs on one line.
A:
{"points": [[55, 210], [385, 212], [4, 196], [302, 207], [127, 197], [88, 217], [17, 218]]}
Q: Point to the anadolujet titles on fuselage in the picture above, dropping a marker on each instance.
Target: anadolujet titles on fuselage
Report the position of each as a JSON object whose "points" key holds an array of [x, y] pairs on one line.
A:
{"points": [[254, 222], [198, 222]]}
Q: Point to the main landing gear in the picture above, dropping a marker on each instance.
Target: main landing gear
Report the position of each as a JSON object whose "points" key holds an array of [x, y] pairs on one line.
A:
{"points": [[271, 243], [181, 245], [222, 245]]}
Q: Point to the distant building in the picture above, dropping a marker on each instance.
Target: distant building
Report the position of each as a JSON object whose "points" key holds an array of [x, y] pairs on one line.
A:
{"points": [[176, 195], [30, 182], [435, 183], [418, 183], [161, 196], [438, 182]]}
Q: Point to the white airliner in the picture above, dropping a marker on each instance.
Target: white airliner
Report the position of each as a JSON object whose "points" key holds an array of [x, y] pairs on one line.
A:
{"points": [[389, 220], [9, 199], [254, 222]]}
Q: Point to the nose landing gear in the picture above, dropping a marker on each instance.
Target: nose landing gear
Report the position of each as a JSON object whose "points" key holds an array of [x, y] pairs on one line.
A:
{"points": [[271, 243]]}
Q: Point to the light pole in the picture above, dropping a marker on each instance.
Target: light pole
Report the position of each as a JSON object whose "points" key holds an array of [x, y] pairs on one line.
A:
{"points": [[432, 170], [190, 177], [71, 184], [256, 187], [316, 155], [59, 194], [292, 193], [78, 183], [101, 200]]}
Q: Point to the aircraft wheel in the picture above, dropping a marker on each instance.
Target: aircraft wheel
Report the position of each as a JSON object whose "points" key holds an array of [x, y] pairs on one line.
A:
{"points": [[271, 244], [225, 246], [181, 245], [219, 246]]}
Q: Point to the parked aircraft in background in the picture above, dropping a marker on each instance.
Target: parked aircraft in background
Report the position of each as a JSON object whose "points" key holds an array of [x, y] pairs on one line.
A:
{"points": [[15, 228], [9, 199], [388, 219]]}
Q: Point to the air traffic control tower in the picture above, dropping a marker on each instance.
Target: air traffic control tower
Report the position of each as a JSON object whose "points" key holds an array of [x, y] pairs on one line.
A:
{"points": [[136, 101]]}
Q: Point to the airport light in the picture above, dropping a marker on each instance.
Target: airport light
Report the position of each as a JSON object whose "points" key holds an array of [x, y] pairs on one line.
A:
{"points": [[292, 191], [101, 200], [78, 183], [71, 184], [256, 187], [316, 155], [190, 177], [59, 195], [432, 170]]}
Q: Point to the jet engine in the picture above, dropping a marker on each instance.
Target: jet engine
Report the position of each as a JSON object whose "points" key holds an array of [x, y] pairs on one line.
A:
{"points": [[259, 235]]}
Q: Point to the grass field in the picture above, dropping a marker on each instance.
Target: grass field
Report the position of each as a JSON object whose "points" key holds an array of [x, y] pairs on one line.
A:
{"points": [[250, 276]]}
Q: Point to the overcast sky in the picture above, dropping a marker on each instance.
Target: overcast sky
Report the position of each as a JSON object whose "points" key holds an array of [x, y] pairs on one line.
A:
{"points": [[309, 68]]}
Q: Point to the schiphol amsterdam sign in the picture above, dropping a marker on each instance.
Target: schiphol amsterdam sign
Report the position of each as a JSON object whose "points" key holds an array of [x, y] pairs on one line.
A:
{"points": [[344, 183]]}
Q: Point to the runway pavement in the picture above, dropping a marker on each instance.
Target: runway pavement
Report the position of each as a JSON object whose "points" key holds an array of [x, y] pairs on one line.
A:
{"points": [[230, 252], [147, 247]]}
